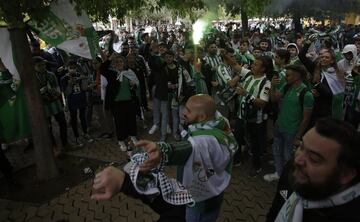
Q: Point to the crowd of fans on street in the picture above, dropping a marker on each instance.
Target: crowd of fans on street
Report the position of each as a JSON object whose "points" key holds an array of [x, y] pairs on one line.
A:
{"points": [[272, 85]]}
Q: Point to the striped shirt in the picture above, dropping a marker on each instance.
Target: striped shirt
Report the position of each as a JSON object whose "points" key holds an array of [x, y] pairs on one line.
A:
{"points": [[252, 86], [223, 75], [213, 61]]}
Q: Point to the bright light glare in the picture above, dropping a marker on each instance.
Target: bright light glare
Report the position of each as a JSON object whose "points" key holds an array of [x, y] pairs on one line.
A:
{"points": [[198, 31]]}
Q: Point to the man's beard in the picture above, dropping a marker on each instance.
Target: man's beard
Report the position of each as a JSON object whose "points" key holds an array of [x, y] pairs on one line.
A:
{"points": [[310, 191]]}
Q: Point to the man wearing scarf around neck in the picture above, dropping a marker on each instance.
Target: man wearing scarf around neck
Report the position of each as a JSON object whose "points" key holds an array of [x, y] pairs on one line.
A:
{"points": [[322, 183], [204, 160]]}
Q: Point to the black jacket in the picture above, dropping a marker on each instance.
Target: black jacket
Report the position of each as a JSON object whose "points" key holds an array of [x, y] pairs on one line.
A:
{"points": [[159, 77]]}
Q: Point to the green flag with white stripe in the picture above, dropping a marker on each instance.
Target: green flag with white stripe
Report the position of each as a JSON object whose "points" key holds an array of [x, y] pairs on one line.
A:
{"points": [[14, 124]]}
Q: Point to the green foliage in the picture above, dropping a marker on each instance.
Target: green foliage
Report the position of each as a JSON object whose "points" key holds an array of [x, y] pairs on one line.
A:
{"points": [[251, 7], [14, 12], [99, 10]]}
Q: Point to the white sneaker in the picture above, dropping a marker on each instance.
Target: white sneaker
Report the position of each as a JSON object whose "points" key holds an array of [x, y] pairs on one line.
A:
{"points": [[168, 129], [122, 146], [271, 177], [153, 129]]}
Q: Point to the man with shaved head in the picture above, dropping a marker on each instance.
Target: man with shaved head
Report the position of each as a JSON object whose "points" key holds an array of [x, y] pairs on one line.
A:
{"points": [[205, 156]]}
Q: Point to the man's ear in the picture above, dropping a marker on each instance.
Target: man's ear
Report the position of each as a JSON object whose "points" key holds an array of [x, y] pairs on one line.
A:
{"points": [[347, 175], [202, 117]]}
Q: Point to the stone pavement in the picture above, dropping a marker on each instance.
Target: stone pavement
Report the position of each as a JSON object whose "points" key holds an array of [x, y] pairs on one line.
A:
{"points": [[246, 199]]}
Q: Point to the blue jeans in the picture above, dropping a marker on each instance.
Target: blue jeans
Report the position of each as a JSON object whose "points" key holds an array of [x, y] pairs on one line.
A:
{"points": [[160, 107], [282, 148], [194, 216]]}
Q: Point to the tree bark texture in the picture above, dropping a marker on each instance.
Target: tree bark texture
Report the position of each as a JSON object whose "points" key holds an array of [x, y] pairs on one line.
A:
{"points": [[44, 157]]}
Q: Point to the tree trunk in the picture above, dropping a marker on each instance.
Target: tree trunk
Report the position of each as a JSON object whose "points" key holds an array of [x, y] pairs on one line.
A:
{"points": [[44, 157], [244, 21]]}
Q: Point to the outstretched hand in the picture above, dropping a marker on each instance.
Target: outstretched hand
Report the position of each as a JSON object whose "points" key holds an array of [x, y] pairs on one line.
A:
{"points": [[154, 154], [107, 183]]}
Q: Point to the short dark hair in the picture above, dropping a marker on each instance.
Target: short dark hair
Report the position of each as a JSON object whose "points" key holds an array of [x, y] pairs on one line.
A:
{"points": [[37, 59], [298, 69], [244, 40], [169, 52], [98, 59], [230, 50], [71, 62], [348, 139], [256, 48], [264, 40], [268, 64], [283, 54], [209, 43], [35, 44], [163, 44], [143, 36]]}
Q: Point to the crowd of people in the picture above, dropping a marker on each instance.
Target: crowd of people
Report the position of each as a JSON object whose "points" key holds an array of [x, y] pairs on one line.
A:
{"points": [[251, 85]]}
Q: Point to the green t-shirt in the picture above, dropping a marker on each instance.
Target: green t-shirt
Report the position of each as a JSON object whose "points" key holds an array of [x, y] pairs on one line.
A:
{"points": [[291, 112], [124, 93]]}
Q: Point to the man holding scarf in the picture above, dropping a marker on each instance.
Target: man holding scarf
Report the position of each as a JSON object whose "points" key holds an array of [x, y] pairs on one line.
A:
{"points": [[205, 157]]}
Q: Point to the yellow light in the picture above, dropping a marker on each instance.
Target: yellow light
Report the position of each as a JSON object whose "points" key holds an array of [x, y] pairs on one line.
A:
{"points": [[198, 31]]}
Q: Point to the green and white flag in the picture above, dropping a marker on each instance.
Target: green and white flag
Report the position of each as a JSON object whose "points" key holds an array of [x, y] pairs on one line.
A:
{"points": [[337, 90], [14, 124], [62, 27]]}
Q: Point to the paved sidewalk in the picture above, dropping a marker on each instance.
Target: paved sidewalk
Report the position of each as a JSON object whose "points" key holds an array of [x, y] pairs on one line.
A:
{"points": [[246, 199]]}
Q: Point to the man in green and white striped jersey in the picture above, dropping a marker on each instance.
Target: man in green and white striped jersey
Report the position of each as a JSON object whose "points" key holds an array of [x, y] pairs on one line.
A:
{"points": [[210, 63], [253, 96]]}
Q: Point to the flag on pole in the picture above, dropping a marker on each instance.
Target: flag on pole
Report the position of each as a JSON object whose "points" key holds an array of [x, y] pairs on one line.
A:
{"points": [[62, 27]]}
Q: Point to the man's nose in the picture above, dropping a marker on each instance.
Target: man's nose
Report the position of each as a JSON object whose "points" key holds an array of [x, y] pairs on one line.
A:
{"points": [[300, 158]]}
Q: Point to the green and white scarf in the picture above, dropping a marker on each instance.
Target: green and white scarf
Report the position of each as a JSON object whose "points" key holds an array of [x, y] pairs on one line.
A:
{"points": [[219, 127], [207, 171], [292, 210]]}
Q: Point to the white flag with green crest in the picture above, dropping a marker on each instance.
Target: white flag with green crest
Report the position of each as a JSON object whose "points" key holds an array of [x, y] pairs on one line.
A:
{"points": [[61, 26]]}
